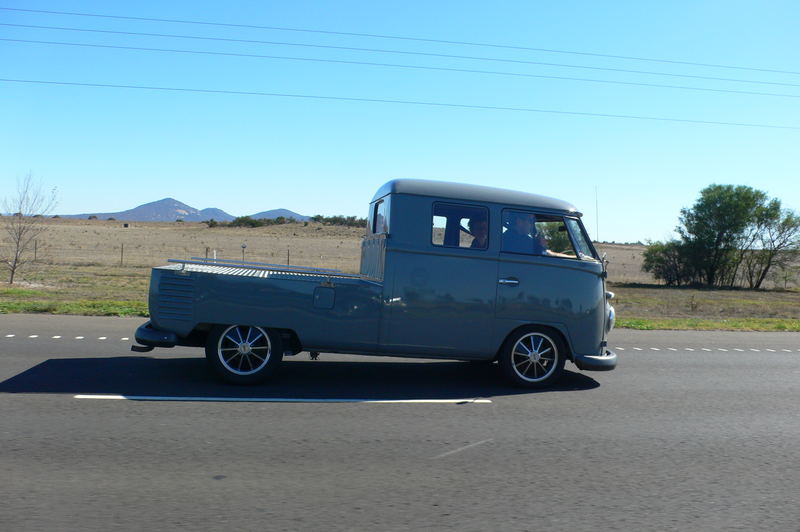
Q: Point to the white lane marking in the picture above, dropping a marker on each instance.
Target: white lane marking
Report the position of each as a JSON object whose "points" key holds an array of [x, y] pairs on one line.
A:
{"points": [[756, 350], [637, 348], [771, 350], [721, 349], [470, 446], [619, 348], [9, 336], [672, 349], [282, 399], [655, 349], [706, 349], [737, 349], [124, 339], [56, 337], [787, 350], [79, 337], [688, 349], [103, 338], [33, 336]]}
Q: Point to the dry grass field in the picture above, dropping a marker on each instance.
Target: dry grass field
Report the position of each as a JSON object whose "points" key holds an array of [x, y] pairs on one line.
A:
{"points": [[102, 267], [110, 243]]}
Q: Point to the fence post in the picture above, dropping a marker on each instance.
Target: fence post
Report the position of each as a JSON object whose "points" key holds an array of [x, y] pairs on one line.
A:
{"points": [[121, 253], [287, 256]]}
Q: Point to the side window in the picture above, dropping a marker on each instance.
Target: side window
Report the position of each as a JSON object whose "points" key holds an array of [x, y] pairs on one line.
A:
{"points": [[460, 226], [536, 234], [379, 217]]}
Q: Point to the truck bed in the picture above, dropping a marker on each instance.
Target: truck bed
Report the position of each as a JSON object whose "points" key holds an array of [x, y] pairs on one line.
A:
{"points": [[325, 308], [258, 269]]}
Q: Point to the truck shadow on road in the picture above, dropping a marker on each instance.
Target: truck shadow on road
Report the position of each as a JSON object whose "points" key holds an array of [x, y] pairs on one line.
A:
{"points": [[297, 379]]}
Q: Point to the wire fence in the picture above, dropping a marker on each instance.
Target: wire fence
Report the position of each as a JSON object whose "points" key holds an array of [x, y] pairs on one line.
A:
{"points": [[128, 255]]}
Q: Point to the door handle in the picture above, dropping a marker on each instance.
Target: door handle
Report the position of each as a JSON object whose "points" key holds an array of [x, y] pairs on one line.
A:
{"points": [[510, 281]]}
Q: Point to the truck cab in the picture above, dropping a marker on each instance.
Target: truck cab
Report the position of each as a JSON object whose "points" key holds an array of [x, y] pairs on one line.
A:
{"points": [[448, 271]]}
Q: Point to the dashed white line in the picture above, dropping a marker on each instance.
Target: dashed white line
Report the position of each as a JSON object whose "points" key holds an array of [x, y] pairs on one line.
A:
{"points": [[672, 349], [756, 350], [9, 336], [737, 349], [56, 337], [637, 348], [688, 349], [620, 348], [103, 338], [787, 350], [79, 337], [655, 349], [706, 349], [721, 349], [33, 336], [124, 339], [771, 350]]}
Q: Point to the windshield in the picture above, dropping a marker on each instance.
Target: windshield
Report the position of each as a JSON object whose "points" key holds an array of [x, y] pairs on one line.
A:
{"points": [[582, 245]]}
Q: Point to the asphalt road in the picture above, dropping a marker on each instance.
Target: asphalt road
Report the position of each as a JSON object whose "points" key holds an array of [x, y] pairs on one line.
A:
{"points": [[693, 431]]}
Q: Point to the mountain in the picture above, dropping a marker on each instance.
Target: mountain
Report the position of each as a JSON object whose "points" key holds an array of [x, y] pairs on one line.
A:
{"points": [[165, 210], [170, 209], [215, 214], [274, 213]]}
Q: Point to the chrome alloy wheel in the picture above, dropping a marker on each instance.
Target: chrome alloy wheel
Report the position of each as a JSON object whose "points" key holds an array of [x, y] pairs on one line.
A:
{"points": [[534, 357], [244, 349]]}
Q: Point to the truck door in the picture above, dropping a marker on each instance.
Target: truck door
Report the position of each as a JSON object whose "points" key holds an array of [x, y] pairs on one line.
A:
{"points": [[443, 295], [543, 280]]}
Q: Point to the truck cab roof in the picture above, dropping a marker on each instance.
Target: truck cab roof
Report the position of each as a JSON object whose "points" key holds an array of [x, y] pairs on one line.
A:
{"points": [[460, 191]]}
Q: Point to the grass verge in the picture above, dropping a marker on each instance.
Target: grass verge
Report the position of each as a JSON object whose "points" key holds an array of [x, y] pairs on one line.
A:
{"points": [[81, 307], [700, 324]]}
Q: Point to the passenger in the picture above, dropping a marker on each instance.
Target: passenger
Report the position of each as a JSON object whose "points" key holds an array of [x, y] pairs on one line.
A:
{"points": [[479, 228]]}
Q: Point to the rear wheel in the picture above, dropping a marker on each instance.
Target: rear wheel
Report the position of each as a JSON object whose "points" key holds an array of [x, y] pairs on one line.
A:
{"points": [[533, 357], [243, 354]]}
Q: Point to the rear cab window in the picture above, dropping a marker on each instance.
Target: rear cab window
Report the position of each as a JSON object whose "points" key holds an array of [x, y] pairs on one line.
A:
{"points": [[378, 222], [460, 226]]}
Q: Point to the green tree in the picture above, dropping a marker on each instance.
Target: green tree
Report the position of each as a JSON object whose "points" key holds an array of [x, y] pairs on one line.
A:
{"points": [[713, 227]]}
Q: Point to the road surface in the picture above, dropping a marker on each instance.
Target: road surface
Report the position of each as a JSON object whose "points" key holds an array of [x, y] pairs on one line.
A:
{"points": [[693, 431]]}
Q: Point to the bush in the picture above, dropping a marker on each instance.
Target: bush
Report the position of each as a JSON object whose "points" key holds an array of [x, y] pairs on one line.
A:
{"points": [[668, 262], [347, 221], [246, 221]]}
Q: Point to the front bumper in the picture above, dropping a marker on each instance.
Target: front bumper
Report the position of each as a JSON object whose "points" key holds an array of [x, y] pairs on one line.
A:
{"points": [[149, 336], [605, 362]]}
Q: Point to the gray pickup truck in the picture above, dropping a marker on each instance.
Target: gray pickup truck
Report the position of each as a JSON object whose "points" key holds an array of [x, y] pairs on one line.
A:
{"points": [[448, 271]]}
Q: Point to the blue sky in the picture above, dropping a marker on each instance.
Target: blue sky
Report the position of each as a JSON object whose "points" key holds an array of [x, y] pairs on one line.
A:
{"points": [[111, 149]]}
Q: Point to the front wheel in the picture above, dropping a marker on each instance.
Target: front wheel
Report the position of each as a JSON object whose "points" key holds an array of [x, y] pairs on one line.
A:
{"points": [[533, 357], [243, 354]]}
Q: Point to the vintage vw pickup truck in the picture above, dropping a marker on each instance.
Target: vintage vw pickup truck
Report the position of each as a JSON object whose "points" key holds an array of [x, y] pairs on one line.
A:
{"points": [[448, 271]]}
